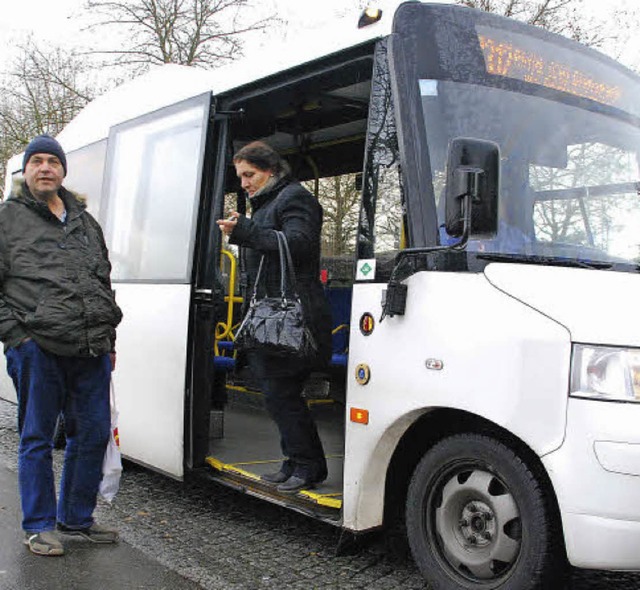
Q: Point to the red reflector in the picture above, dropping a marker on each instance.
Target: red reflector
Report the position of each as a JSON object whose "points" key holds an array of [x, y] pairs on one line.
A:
{"points": [[366, 324], [359, 416], [324, 276]]}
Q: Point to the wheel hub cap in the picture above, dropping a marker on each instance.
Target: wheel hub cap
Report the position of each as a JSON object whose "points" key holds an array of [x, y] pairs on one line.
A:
{"points": [[471, 523]]}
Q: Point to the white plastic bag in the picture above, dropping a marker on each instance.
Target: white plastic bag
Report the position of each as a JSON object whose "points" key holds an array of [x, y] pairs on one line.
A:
{"points": [[112, 463]]}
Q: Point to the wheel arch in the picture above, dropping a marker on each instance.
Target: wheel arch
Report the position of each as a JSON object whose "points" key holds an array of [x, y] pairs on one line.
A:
{"points": [[436, 425]]}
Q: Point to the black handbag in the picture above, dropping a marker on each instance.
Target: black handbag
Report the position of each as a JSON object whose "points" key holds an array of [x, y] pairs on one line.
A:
{"points": [[276, 325]]}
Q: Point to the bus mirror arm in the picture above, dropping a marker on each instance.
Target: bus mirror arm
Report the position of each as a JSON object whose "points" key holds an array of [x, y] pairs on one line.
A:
{"points": [[471, 201], [394, 297], [470, 179]]}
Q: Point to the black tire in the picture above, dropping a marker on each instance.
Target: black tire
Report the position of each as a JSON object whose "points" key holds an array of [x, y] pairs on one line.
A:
{"points": [[477, 518]]}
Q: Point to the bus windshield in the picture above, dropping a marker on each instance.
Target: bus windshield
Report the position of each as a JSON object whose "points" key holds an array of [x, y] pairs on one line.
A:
{"points": [[570, 171], [569, 177]]}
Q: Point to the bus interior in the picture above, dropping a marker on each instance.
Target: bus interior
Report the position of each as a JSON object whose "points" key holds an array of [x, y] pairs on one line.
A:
{"points": [[320, 122]]}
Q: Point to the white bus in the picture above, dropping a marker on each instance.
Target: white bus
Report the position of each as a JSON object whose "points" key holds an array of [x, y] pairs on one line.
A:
{"points": [[480, 180]]}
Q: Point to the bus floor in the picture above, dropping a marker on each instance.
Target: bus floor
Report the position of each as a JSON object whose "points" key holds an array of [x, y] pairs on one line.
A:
{"points": [[249, 446]]}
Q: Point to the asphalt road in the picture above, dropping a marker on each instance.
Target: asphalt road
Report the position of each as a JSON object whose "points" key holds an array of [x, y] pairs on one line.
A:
{"points": [[202, 535]]}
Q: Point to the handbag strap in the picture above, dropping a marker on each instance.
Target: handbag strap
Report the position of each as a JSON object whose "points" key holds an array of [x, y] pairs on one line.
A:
{"points": [[254, 295], [283, 264], [286, 265]]}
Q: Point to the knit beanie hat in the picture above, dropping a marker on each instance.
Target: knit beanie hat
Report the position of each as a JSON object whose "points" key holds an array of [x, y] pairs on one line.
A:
{"points": [[44, 144]]}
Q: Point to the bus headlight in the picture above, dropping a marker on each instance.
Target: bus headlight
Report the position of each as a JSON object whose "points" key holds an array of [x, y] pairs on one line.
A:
{"points": [[607, 373]]}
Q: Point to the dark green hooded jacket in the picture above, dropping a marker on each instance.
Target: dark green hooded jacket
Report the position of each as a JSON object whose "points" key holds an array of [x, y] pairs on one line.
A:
{"points": [[55, 282]]}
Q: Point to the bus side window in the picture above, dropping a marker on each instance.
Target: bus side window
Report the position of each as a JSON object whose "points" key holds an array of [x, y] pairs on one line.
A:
{"points": [[149, 207], [340, 200], [381, 233], [230, 204], [389, 235], [381, 226]]}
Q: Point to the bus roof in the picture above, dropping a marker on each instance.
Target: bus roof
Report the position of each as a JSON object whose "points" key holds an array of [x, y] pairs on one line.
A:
{"points": [[168, 84], [171, 83]]}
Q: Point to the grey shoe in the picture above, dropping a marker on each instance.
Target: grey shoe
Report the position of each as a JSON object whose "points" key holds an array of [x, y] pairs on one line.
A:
{"points": [[296, 483], [95, 533], [275, 478], [44, 543], [303, 477], [286, 470]]}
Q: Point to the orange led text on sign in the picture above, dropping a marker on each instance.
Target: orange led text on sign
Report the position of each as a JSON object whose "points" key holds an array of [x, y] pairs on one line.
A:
{"points": [[505, 59]]}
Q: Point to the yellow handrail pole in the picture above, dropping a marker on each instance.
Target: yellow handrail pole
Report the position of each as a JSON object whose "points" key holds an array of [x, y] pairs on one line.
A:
{"points": [[229, 299]]}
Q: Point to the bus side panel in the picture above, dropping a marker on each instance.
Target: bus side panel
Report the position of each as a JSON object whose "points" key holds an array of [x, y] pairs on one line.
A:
{"points": [[501, 360], [150, 374]]}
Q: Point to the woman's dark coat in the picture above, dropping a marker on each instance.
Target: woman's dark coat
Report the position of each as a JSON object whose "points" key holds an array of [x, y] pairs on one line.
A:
{"points": [[288, 207]]}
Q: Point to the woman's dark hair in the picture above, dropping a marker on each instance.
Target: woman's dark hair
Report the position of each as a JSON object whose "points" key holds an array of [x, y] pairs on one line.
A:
{"points": [[262, 156]]}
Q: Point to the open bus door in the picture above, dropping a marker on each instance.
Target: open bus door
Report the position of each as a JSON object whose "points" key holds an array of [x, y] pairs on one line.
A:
{"points": [[334, 124], [149, 215]]}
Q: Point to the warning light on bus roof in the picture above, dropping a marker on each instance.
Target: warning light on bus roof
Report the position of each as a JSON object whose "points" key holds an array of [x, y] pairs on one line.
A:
{"points": [[369, 16], [359, 416]]}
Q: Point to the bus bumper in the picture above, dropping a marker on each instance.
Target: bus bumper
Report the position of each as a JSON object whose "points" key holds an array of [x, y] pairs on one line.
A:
{"points": [[596, 477]]}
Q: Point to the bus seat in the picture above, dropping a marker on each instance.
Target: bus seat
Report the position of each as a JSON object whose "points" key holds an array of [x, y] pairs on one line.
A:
{"points": [[226, 345], [228, 363], [339, 345], [339, 299], [223, 359], [339, 360], [224, 363]]}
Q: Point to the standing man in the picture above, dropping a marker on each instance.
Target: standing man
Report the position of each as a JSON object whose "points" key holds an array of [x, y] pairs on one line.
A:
{"points": [[58, 319]]}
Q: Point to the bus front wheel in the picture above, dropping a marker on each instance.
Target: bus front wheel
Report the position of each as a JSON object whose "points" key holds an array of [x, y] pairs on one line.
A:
{"points": [[478, 518]]}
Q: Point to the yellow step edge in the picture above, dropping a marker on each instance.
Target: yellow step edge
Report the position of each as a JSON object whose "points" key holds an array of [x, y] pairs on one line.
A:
{"points": [[220, 466], [322, 499], [328, 500]]}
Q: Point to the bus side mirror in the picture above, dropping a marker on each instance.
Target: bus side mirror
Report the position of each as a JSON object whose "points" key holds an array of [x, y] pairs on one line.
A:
{"points": [[473, 172]]}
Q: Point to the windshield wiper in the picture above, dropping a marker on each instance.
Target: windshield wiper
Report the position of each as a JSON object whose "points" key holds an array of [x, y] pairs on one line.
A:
{"points": [[549, 260]]}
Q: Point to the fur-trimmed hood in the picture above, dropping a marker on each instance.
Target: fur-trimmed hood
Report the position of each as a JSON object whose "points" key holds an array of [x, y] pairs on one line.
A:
{"points": [[19, 190]]}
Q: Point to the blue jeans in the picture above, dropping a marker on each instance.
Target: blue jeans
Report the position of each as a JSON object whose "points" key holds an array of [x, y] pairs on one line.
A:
{"points": [[48, 384]]}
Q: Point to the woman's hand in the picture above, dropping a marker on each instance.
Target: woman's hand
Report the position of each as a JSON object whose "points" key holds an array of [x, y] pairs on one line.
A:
{"points": [[227, 225]]}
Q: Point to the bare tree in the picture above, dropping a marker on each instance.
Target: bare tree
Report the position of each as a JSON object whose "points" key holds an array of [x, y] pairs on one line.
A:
{"points": [[578, 217], [340, 200], [202, 33], [41, 93], [558, 16]]}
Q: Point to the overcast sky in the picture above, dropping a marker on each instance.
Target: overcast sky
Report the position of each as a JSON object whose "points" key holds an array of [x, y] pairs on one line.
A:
{"points": [[55, 20]]}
